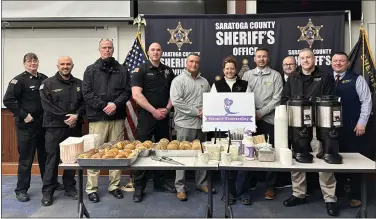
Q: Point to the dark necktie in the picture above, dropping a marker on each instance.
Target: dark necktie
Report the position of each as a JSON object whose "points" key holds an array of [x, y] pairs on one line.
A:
{"points": [[337, 79]]}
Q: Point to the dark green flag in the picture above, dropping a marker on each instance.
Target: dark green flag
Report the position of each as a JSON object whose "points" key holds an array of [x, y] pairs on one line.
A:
{"points": [[362, 62]]}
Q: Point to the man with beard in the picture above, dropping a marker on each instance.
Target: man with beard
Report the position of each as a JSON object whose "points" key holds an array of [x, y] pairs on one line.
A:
{"points": [[151, 83], [267, 86], [63, 106]]}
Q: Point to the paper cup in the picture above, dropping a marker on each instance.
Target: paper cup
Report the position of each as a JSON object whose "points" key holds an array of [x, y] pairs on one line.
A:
{"points": [[226, 158], [234, 151], [203, 157], [214, 151], [249, 152]]}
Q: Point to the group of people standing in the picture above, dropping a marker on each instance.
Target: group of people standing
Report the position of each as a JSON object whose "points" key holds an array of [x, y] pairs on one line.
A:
{"points": [[272, 89], [49, 110]]}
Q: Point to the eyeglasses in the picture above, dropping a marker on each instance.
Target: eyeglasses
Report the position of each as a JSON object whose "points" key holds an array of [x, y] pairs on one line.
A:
{"points": [[289, 65], [34, 61]]}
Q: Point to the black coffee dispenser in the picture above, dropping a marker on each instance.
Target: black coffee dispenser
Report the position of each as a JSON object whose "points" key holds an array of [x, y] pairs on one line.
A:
{"points": [[328, 121], [300, 117]]}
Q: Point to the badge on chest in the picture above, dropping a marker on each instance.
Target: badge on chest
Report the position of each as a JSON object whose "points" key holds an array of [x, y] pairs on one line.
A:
{"points": [[166, 73]]}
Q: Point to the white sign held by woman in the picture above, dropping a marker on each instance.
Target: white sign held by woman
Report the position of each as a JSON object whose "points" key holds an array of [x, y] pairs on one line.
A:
{"points": [[228, 111]]}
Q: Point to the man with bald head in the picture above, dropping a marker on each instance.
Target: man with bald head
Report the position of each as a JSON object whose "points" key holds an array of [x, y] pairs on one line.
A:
{"points": [[106, 91], [289, 67], [151, 82], [63, 106]]}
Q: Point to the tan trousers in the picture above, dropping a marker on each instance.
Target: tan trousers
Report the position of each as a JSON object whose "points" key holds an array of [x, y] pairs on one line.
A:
{"points": [[327, 180], [109, 131]]}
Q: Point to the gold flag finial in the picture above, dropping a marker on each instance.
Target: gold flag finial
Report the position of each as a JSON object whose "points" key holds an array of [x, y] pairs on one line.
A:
{"points": [[244, 68], [139, 21]]}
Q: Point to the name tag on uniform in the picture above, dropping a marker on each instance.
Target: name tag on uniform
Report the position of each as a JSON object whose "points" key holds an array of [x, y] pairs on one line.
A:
{"points": [[57, 90], [267, 83], [149, 74], [33, 88], [317, 79], [346, 81]]}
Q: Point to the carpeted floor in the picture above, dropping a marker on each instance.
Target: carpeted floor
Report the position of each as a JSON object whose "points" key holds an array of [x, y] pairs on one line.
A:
{"points": [[159, 205]]}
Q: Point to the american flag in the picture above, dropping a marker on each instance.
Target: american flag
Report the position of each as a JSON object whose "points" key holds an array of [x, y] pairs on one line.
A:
{"points": [[136, 56]]}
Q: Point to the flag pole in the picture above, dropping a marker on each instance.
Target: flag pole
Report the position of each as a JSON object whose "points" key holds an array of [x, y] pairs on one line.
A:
{"points": [[350, 31], [139, 21], [362, 30]]}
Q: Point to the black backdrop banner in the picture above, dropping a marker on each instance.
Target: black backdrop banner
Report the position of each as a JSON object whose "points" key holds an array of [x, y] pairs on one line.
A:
{"points": [[216, 36]]}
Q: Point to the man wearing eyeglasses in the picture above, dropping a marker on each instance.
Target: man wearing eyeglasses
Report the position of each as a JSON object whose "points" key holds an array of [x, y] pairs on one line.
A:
{"points": [[289, 67], [106, 91]]}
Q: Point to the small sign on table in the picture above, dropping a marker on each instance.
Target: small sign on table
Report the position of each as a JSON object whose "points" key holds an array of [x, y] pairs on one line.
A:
{"points": [[228, 111]]}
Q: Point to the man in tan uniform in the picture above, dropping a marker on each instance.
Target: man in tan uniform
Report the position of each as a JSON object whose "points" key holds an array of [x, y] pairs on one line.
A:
{"points": [[106, 89], [309, 81]]}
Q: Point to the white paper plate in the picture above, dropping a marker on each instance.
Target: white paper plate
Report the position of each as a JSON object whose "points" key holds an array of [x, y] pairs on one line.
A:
{"points": [[236, 163]]}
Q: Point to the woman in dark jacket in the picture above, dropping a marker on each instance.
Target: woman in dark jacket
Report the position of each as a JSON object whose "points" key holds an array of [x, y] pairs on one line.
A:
{"points": [[238, 181]]}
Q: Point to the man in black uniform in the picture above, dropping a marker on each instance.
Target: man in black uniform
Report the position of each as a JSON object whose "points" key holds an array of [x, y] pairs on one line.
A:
{"points": [[150, 84], [23, 100], [310, 81], [63, 106]]}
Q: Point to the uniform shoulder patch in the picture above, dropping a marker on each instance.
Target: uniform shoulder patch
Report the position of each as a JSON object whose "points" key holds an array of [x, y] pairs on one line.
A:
{"points": [[14, 81]]}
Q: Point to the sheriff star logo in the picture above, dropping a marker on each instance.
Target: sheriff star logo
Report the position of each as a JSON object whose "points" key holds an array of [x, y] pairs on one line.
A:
{"points": [[179, 36], [310, 33]]}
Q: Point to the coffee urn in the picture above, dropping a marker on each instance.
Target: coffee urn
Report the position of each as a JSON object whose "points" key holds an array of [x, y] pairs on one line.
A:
{"points": [[300, 112], [328, 121]]}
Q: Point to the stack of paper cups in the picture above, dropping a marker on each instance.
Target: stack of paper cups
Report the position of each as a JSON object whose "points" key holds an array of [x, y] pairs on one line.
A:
{"points": [[285, 156], [280, 129]]}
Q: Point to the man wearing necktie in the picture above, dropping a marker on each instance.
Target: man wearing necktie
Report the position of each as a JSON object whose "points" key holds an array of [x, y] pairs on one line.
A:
{"points": [[356, 109]]}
